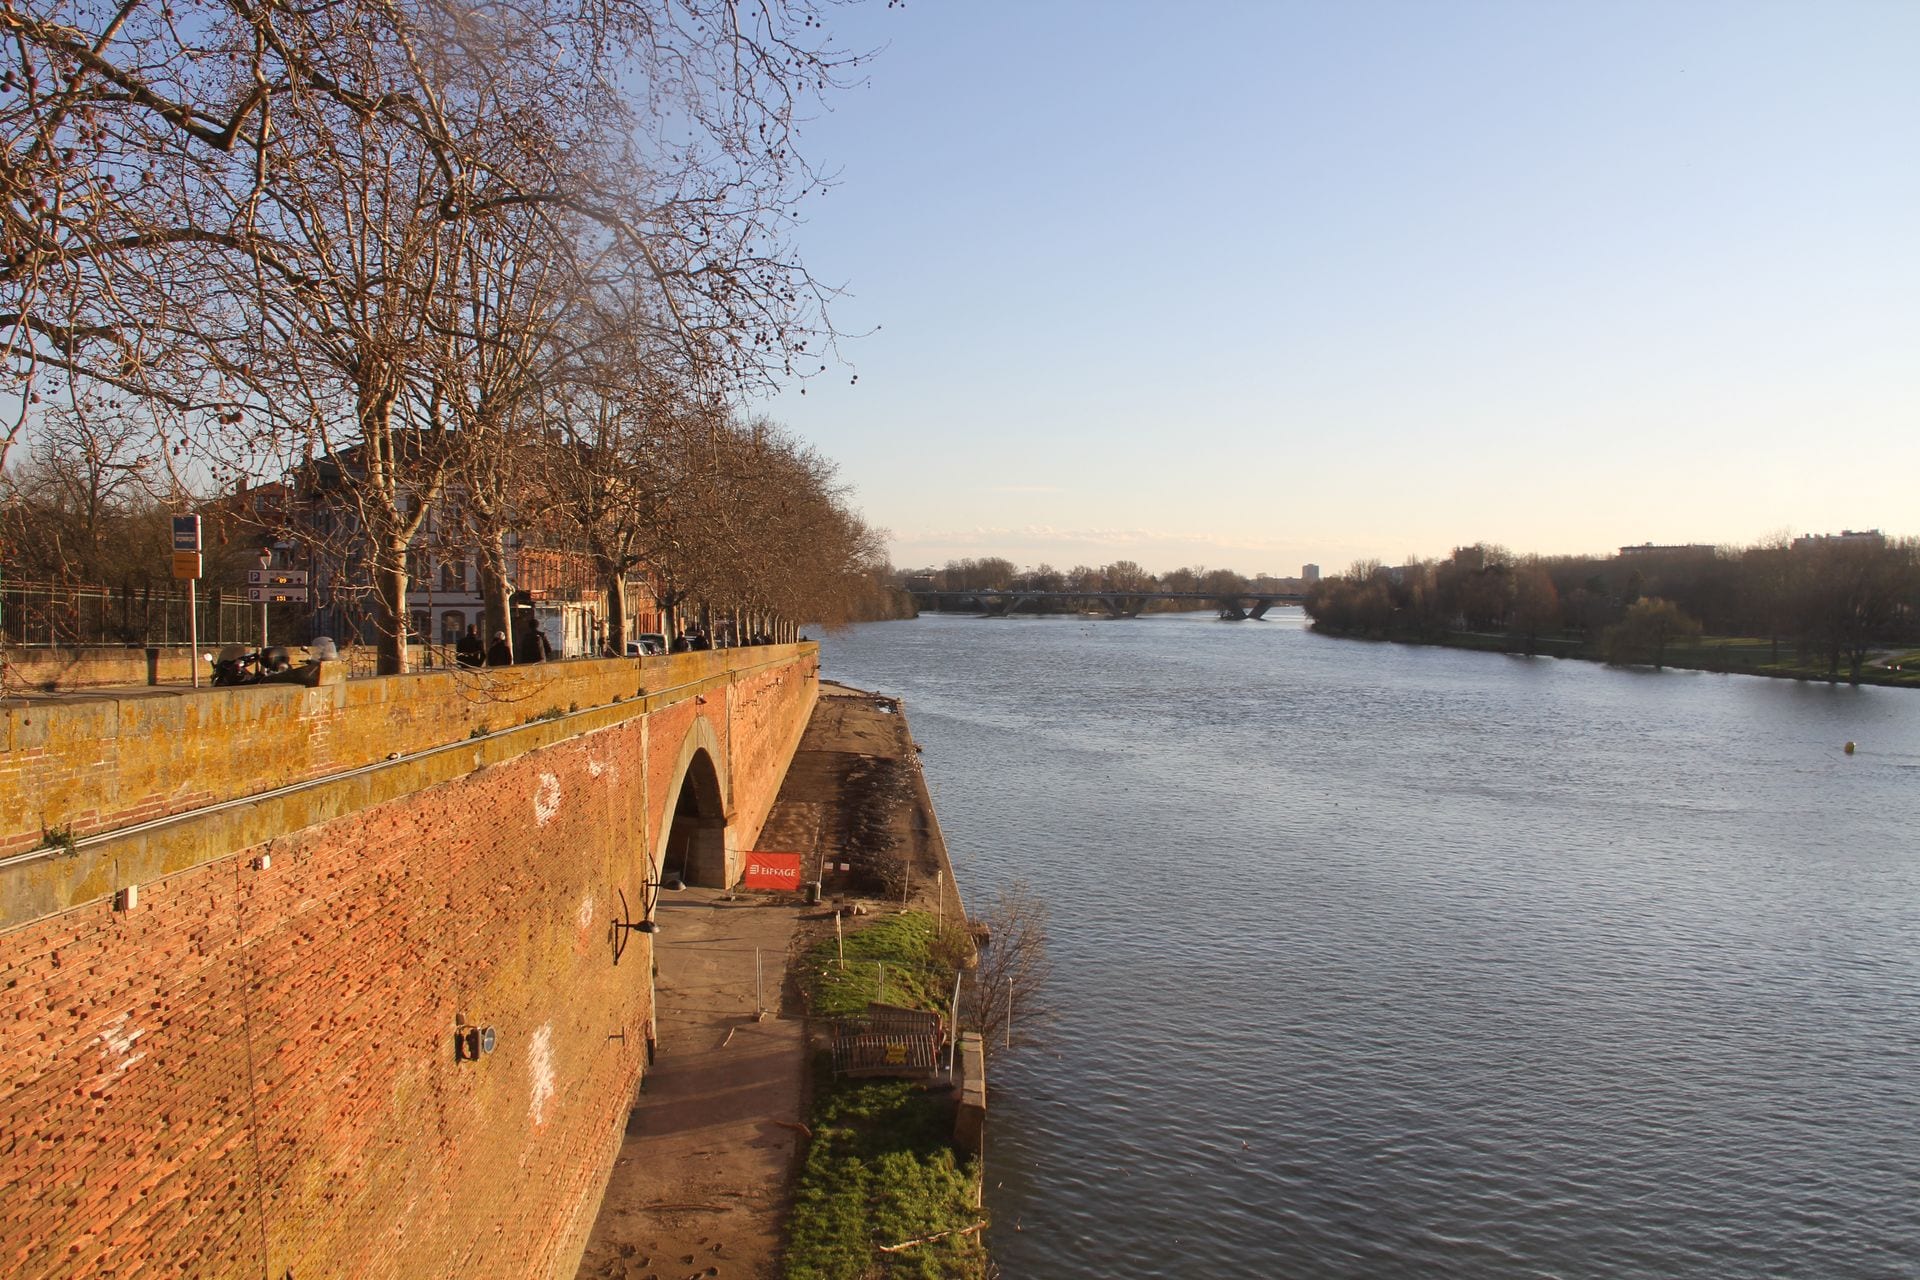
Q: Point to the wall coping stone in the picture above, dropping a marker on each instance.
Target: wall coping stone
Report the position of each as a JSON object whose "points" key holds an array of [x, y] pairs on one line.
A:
{"points": [[48, 877]]}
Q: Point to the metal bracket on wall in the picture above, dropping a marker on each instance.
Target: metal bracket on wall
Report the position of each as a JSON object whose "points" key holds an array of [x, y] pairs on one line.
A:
{"points": [[649, 898], [470, 1042]]}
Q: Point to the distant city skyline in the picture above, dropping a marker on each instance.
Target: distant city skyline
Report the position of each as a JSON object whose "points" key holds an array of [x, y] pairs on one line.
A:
{"points": [[1287, 283]]}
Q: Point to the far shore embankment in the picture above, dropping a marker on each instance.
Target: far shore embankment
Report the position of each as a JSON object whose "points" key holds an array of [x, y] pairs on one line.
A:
{"points": [[1725, 655]]}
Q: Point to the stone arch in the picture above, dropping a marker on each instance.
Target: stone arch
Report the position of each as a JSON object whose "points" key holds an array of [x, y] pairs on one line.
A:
{"points": [[695, 841]]}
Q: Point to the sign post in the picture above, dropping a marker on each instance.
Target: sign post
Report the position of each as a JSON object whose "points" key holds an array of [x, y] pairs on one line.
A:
{"points": [[266, 559], [186, 564], [274, 586]]}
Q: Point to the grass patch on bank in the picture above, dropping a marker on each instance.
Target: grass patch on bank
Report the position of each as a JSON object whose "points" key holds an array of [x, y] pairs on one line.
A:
{"points": [[897, 959], [881, 1168]]}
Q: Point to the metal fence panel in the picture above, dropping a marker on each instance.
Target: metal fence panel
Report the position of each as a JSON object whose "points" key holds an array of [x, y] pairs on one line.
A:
{"points": [[53, 615]]}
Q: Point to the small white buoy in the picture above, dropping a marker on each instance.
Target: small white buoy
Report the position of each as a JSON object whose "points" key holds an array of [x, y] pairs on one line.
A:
{"points": [[1849, 748]]}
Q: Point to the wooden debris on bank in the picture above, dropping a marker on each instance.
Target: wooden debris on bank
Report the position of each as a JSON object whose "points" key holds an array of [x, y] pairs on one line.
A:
{"points": [[938, 1235]]}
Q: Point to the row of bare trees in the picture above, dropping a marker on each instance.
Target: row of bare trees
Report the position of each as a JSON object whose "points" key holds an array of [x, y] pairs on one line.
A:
{"points": [[1119, 576], [1833, 600], [996, 573], [516, 261]]}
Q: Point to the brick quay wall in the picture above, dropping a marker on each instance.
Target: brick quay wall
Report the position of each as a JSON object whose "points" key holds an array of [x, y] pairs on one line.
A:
{"points": [[230, 1006]]}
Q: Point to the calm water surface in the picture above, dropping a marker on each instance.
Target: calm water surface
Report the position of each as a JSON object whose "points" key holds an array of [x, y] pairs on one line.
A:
{"points": [[1377, 961]]}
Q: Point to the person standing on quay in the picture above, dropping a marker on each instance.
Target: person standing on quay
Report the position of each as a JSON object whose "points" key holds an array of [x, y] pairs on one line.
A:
{"points": [[498, 654], [533, 646], [469, 652]]}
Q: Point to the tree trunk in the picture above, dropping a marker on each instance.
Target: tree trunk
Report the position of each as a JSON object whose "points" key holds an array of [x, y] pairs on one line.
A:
{"points": [[392, 533], [495, 587], [616, 614], [390, 597]]}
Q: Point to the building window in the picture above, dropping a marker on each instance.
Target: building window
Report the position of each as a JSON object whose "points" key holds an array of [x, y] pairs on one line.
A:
{"points": [[421, 628], [452, 623], [453, 575]]}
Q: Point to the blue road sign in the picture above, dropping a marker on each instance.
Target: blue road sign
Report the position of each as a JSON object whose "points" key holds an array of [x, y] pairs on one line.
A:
{"points": [[186, 533]]}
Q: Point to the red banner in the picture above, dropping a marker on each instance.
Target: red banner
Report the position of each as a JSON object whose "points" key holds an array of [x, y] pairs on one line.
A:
{"points": [[772, 871]]}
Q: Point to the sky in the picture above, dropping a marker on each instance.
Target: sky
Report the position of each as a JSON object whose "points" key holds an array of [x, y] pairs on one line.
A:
{"points": [[1249, 285]]}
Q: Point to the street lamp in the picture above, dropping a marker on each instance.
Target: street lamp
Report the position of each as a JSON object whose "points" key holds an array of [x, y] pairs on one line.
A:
{"points": [[266, 562]]}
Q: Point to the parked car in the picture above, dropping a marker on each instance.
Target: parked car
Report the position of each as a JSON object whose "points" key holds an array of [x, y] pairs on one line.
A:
{"points": [[646, 645]]}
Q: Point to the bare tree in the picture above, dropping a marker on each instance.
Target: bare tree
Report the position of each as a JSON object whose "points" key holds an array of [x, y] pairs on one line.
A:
{"points": [[502, 347], [619, 472], [1125, 575], [87, 504], [1006, 992], [254, 217], [1536, 605], [1852, 595]]}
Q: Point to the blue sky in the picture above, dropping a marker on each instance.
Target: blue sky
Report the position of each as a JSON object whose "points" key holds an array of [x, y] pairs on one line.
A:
{"points": [[1255, 284]]}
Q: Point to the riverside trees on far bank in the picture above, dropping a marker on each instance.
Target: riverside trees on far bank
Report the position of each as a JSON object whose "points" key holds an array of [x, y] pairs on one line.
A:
{"points": [[1809, 607], [995, 573]]}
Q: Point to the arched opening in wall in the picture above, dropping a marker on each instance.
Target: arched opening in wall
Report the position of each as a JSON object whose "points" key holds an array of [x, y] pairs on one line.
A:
{"points": [[697, 837]]}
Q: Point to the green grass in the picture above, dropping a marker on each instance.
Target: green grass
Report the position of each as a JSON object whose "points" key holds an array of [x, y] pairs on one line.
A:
{"points": [[907, 945], [1750, 656], [881, 1168]]}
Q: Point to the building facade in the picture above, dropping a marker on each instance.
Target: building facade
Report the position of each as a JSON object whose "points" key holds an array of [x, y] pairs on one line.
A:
{"points": [[309, 522]]}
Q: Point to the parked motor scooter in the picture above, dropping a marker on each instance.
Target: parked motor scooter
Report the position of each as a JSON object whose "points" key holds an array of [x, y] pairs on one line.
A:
{"points": [[237, 664]]}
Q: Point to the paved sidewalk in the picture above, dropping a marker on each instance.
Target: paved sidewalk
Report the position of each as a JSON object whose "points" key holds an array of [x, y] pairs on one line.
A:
{"points": [[700, 1186]]}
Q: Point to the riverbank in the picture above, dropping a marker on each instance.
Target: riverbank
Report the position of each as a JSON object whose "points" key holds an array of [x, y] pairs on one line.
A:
{"points": [[704, 1182], [1728, 655]]}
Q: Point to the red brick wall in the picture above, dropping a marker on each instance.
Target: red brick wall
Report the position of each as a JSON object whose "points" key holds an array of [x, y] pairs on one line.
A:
{"points": [[765, 733], [252, 1072]]}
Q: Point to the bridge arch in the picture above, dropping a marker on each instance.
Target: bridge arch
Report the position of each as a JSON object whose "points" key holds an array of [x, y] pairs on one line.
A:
{"points": [[694, 841]]}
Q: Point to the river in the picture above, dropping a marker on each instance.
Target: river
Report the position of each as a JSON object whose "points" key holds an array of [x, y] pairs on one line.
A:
{"points": [[1383, 961]]}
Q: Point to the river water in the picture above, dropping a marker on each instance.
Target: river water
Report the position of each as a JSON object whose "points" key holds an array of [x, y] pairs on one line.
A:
{"points": [[1380, 961]]}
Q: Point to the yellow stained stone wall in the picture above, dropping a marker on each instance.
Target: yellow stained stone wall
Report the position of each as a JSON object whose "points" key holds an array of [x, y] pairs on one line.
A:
{"points": [[96, 762]]}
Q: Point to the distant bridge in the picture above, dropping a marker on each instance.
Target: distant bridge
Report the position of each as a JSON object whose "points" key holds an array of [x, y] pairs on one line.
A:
{"points": [[998, 603]]}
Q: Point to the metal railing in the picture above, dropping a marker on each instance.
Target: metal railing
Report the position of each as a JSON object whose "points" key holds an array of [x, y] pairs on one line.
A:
{"points": [[54, 615]]}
